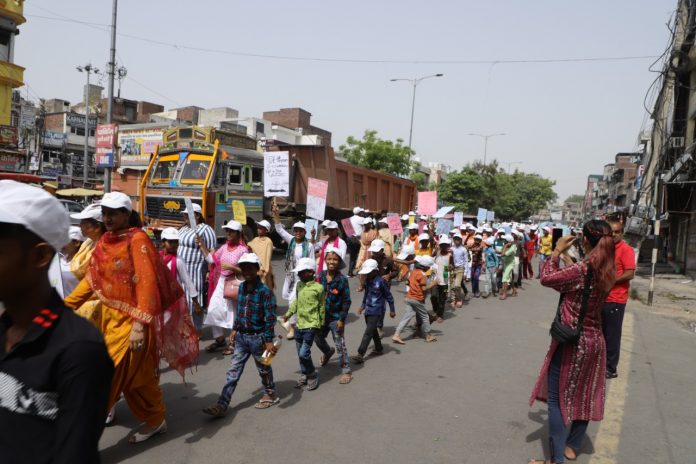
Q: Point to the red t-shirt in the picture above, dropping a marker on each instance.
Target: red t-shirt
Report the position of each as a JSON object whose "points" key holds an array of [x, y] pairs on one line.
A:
{"points": [[625, 260], [415, 285]]}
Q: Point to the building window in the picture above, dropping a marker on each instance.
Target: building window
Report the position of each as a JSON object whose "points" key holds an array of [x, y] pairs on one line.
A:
{"points": [[257, 176], [235, 176], [6, 45], [260, 128], [130, 113]]}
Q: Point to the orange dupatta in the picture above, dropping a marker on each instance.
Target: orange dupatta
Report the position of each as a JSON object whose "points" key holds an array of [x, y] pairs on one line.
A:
{"points": [[127, 273]]}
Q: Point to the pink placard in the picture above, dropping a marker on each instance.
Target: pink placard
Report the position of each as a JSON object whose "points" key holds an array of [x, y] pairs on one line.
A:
{"points": [[427, 202], [317, 187], [394, 223], [348, 227], [421, 227]]}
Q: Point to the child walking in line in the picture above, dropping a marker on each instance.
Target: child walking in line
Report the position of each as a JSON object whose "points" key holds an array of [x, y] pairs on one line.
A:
{"points": [[377, 295], [337, 301], [309, 307], [491, 261], [170, 242], [415, 300], [443, 263]]}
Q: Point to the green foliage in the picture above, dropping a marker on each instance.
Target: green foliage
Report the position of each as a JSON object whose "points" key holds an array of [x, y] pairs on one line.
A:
{"points": [[371, 152], [575, 199], [420, 180], [513, 196]]}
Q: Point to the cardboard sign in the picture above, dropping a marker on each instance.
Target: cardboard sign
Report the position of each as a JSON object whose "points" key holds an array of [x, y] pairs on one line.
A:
{"points": [[443, 226], [348, 227], [276, 174], [239, 211], [316, 198], [311, 224], [190, 214], [394, 223], [421, 226], [443, 211], [427, 202], [490, 216], [458, 218], [481, 216], [411, 219]]}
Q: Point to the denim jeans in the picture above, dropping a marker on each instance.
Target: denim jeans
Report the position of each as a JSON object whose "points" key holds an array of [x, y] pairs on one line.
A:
{"points": [[246, 346], [340, 342], [493, 276], [370, 333], [304, 338], [557, 429], [475, 273]]}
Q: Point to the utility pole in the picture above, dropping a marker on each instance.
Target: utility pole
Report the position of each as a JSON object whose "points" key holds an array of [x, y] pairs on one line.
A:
{"points": [[485, 138], [656, 236], [87, 69], [110, 101]]}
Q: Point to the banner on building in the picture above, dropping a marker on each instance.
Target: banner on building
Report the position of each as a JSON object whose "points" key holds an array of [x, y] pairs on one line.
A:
{"points": [[136, 146], [8, 135], [106, 140], [276, 174], [317, 190]]}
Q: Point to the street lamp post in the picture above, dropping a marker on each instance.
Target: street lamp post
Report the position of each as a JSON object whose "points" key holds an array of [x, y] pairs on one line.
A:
{"points": [[414, 82], [485, 142], [87, 69]]}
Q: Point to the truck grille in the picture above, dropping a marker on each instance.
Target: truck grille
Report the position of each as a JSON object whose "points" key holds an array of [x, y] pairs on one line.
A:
{"points": [[166, 208]]}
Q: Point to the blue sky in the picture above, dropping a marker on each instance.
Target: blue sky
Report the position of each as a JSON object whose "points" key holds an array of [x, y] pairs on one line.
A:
{"points": [[563, 120]]}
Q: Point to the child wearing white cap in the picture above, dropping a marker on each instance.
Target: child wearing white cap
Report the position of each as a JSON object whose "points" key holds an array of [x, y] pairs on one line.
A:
{"points": [[509, 253], [415, 300], [262, 246], [170, 245]]}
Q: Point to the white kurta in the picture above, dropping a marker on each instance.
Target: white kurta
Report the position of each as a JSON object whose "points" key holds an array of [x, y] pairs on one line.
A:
{"points": [[289, 287]]}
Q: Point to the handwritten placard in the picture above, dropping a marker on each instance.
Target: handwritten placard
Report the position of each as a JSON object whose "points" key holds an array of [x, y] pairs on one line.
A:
{"points": [[458, 218], [394, 223], [481, 216], [311, 225], [427, 202], [276, 174], [490, 216], [443, 226], [348, 227], [239, 211], [443, 211], [317, 190]]}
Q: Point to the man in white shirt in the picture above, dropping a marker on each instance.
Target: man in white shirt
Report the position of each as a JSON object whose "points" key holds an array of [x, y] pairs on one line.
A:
{"points": [[356, 220]]}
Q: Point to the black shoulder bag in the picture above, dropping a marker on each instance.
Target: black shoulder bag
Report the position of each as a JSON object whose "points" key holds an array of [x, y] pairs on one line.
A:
{"points": [[563, 333]]}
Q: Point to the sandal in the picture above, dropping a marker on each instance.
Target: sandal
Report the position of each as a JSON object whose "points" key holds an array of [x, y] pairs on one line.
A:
{"points": [[326, 357], [141, 437], [312, 383], [216, 345], [228, 351], [301, 383], [216, 410], [357, 359], [265, 403], [430, 339], [345, 379]]}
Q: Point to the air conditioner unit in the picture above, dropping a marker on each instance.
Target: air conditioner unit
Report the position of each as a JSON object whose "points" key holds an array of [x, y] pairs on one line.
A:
{"points": [[676, 142]]}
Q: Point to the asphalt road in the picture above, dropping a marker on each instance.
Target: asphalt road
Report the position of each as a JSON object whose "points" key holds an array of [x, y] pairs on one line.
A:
{"points": [[462, 399]]}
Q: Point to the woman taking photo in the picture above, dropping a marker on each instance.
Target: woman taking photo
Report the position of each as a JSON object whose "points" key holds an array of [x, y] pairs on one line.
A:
{"points": [[572, 379], [127, 274], [224, 276]]}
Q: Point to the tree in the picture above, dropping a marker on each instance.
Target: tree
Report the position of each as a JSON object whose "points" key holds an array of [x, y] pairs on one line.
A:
{"points": [[575, 199], [420, 180], [371, 152], [513, 196]]}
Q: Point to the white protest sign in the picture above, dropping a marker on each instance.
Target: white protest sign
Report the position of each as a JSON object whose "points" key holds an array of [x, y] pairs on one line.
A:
{"points": [[458, 218], [276, 174], [316, 197], [189, 213], [443, 211]]}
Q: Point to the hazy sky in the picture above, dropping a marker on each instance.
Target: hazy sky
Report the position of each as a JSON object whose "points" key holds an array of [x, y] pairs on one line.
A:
{"points": [[563, 120]]}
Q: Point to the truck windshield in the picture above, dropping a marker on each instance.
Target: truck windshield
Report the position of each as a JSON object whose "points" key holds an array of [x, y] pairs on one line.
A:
{"points": [[196, 169], [165, 169]]}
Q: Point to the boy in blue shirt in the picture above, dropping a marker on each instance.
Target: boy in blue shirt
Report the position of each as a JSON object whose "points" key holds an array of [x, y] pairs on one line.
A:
{"points": [[377, 294]]}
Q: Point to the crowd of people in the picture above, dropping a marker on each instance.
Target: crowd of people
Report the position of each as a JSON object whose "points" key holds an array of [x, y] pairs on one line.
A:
{"points": [[148, 304]]}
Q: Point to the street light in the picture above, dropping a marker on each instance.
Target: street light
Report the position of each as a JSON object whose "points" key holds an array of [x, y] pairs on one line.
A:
{"points": [[415, 81], [485, 143], [87, 69]]}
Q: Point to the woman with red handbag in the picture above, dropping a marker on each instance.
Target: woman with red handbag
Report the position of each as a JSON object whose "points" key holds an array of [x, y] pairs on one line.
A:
{"points": [[223, 299]]}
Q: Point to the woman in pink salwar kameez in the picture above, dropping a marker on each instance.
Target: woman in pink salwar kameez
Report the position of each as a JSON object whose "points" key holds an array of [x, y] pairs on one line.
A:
{"points": [[572, 379]]}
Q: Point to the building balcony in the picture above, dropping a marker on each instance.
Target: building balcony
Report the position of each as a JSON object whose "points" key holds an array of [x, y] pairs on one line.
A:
{"points": [[11, 74]]}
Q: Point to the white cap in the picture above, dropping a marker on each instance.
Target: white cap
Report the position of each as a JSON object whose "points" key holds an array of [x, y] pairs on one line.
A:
{"points": [[367, 220], [413, 226], [411, 213], [265, 224], [457, 234], [478, 237], [490, 241], [515, 233], [170, 233], [357, 210], [196, 208], [534, 227], [383, 221], [249, 258], [547, 229], [507, 238], [423, 236], [377, 245], [299, 225], [404, 217], [423, 217], [425, 261], [76, 234], [488, 229], [304, 264], [479, 230], [406, 251], [91, 212], [333, 249], [35, 209], [444, 240], [368, 266], [233, 225], [330, 225], [116, 200]]}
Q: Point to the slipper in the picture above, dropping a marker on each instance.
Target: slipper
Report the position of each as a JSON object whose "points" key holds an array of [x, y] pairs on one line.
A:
{"points": [[229, 350], [357, 359], [141, 437], [216, 345], [265, 404], [326, 357], [301, 383], [216, 410], [345, 379], [312, 383]]}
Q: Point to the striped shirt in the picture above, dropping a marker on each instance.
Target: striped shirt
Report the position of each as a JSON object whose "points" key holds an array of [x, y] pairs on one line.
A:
{"points": [[190, 255]]}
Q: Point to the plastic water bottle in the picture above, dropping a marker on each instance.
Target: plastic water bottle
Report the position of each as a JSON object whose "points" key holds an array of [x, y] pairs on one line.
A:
{"points": [[445, 273], [267, 356]]}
